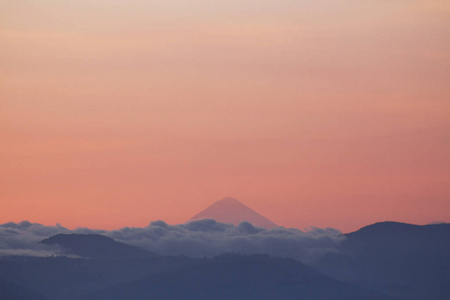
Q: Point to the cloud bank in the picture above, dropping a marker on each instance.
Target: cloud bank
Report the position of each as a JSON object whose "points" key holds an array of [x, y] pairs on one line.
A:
{"points": [[24, 238], [195, 239]]}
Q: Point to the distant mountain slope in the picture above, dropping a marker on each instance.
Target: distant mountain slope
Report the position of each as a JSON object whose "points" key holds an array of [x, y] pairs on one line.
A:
{"points": [[64, 278], [237, 277], [95, 246], [11, 291], [229, 210], [388, 230], [404, 260]]}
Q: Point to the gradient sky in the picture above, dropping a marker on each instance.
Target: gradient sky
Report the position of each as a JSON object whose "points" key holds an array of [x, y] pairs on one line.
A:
{"points": [[314, 113]]}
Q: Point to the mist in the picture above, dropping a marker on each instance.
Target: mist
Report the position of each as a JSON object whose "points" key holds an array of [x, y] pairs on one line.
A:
{"points": [[194, 239]]}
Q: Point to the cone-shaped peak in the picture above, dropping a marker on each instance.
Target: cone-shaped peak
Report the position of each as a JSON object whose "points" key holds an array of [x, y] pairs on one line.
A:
{"points": [[230, 210], [229, 200]]}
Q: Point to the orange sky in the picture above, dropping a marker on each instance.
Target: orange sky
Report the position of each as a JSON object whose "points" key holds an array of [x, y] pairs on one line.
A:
{"points": [[313, 113]]}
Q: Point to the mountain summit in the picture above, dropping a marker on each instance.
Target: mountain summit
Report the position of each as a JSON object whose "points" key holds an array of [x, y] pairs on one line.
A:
{"points": [[229, 210], [95, 246]]}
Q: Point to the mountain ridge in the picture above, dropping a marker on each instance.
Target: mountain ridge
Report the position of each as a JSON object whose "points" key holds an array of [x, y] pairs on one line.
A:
{"points": [[230, 210], [95, 246]]}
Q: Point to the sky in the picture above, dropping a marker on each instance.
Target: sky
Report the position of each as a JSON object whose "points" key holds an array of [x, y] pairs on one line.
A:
{"points": [[313, 113]]}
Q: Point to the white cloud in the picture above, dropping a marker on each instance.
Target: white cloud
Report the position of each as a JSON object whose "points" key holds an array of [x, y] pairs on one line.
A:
{"points": [[195, 239]]}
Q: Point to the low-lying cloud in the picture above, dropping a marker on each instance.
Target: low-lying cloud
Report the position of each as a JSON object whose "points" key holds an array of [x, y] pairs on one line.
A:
{"points": [[24, 238], [195, 239]]}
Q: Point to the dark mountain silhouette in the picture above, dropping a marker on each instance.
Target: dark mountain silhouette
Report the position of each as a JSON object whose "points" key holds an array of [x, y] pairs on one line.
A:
{"points": [[11, 291], [229, 210], [403, 260], [95, 246], [381, 261], [238, 277], [70, 278]]}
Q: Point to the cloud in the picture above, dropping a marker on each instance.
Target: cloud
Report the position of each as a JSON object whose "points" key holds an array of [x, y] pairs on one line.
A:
{"points": [[195, 239], [209, 238], [24, 238]]}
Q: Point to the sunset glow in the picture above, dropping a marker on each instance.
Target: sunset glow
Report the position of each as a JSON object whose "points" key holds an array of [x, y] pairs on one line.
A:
{"points": [[313, 113]]}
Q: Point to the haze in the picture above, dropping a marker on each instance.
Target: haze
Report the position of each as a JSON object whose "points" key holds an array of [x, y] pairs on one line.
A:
{"points": [[324, 113]]}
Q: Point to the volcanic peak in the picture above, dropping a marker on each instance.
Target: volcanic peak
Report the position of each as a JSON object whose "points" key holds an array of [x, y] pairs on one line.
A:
{"points": [[230, 210]]}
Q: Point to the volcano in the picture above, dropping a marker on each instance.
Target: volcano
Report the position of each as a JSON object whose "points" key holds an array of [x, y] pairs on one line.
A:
{"points": [[229, 210]]}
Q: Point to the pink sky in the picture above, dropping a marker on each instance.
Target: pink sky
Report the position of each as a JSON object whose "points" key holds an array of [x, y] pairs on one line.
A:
{"points": [[313, 113]]}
